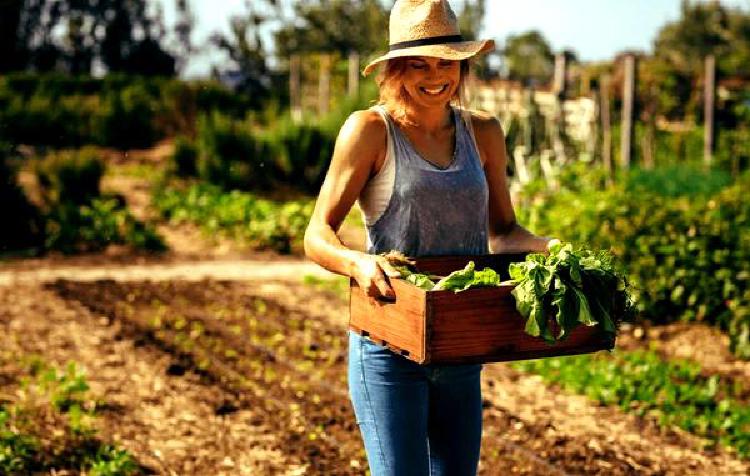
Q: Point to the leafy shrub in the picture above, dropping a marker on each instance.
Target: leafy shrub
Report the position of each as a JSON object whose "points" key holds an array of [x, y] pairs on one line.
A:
{"points": [[261, 223], [185, 157], [77, 217], [685, 180], [70, 176], [126, 118], [118, 110], [247, 154], [22, 226], [226, 153], [72, 228]]}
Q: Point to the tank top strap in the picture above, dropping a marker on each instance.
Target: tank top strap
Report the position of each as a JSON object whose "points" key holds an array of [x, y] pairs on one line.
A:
{"points": [[465, 133]]}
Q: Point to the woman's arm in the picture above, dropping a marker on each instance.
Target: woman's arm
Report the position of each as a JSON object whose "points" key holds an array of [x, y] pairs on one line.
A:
{"points": [[359, 147], [506, 234]]}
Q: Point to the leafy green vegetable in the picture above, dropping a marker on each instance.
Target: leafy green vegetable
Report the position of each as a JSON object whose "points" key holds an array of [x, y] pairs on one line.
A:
{"points": [[467, 278], [421, 281], [457, 279], [575, 286]]}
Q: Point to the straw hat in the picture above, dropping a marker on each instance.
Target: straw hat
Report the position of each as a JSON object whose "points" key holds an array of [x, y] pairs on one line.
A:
{"points": [[427, 28]]}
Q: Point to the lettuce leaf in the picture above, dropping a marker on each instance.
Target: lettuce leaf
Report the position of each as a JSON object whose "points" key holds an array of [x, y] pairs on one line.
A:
{"points": [[574, 287]]}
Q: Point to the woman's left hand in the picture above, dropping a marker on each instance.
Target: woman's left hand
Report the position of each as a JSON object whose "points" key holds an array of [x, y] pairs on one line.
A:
{"points": [[518, 240]]}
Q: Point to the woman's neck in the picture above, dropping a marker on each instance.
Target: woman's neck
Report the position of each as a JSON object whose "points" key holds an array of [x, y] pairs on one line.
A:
{"points": [[430, 120]]}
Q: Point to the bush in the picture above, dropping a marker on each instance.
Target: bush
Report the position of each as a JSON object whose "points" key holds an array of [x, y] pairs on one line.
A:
{"points": [[122, 111], [127, 118], [70, 176], [72, 228], [227, 154], [247, 155], [685, 180], [77, 217], [184, 158], [22, 225]]}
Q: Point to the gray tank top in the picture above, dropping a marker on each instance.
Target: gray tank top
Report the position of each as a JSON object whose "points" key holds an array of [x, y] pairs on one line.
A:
{"points": [[432, 210]]}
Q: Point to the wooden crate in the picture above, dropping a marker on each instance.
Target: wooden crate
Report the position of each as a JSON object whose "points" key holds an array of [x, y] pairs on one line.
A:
{"points": [[474, 326]]}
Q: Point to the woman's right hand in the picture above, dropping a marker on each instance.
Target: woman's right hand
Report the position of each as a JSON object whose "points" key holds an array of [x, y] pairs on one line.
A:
{"points": [[372, 273]]}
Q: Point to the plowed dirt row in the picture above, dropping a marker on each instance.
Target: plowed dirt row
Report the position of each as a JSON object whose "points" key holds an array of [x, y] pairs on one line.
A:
{"points": [[261, 389]]}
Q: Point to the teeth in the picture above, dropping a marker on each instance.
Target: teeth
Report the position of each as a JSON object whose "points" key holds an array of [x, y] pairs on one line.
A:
{"points": [[436, 90]]}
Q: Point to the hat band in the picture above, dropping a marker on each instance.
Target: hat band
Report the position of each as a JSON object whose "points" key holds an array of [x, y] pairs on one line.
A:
{"points": [[435, 40]]}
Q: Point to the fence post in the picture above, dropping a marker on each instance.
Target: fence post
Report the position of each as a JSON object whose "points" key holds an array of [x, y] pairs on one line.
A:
{"points": [[628, 99], [604, 98], [558, 132], [353, 79], [324, 84], [294, 88], [709, 95]]}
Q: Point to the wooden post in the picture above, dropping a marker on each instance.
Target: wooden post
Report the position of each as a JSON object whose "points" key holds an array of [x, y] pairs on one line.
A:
{"points": [[628, 100], [353, 80], [604, 92], [710, 96], [295, 101], [324, 84], [558, 124], [561, 69]]}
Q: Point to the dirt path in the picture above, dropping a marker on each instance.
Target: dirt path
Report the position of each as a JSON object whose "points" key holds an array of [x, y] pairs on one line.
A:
{"points": [[234, 270]]}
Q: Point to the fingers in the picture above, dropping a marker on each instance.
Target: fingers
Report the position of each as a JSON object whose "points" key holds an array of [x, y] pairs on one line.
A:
{"points": [[377, 283], [385, 290], [388, 269]]}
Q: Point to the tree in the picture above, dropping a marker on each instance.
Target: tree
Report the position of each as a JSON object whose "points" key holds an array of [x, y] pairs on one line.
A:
{"points": [[334, 26], [470, 18], [529, 58], [11, 50], [73, 35], [703, 29], [244, 46]]}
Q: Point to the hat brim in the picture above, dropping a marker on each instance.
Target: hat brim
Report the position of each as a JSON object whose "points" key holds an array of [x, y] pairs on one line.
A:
{"points": [[453, 51]]}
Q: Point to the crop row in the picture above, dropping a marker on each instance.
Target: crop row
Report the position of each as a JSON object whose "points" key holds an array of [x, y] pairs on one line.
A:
{"points": [[259, 222], [47, 426], [264, 355], [674, 391]]}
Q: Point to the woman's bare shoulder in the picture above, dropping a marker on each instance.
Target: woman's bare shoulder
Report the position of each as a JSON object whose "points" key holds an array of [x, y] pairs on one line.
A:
{"points": [[485, 122], [363, 128]]}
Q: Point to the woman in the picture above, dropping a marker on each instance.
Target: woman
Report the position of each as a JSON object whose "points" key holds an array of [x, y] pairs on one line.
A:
{"points": [[430, 179]]}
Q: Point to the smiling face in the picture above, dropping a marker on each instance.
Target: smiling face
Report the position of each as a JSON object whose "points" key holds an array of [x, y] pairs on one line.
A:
{"points": [[431, 82]]}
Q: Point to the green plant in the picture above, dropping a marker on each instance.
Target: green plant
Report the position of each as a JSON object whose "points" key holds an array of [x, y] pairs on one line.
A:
{"points": [[110, 461], [185, 157], [575, 286], [16, 450], [21, 220], [674, 392], [49, 426], [78, 228], [70, 176], [259, 222]]}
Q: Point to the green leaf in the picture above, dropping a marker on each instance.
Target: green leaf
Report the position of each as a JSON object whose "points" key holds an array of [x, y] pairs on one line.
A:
{"points": [[457, 279], [422, 281]]}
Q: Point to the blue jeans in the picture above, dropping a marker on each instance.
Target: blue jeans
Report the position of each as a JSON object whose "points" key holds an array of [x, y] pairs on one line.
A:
{"points": [[416, 420]]}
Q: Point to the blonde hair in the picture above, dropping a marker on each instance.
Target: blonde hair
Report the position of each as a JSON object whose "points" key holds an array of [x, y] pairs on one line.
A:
{"points": [[393, 95]]}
